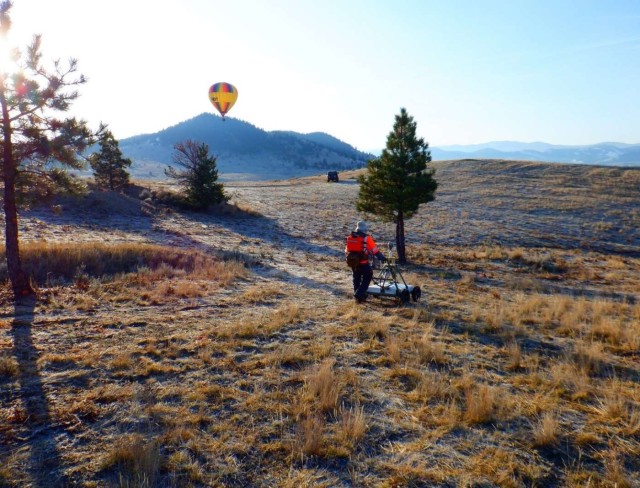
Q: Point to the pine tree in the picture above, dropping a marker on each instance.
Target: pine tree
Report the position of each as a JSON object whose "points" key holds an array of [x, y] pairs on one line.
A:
{"points": [[33, 136], [199, 176], [397, 182], [109, 167]]}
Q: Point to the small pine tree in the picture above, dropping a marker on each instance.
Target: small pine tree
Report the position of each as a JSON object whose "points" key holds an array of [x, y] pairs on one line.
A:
{"points": [[109, 167], [199, 176], [398, 181]]}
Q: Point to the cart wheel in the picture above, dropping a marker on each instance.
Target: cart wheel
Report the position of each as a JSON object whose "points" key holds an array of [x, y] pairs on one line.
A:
{"points": [[405, 296], [415, 293]]}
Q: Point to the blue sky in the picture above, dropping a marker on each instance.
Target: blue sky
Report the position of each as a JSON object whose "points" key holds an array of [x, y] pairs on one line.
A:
{"points": [[562, 72]]}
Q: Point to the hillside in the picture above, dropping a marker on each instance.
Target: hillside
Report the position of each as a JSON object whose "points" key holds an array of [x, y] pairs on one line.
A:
{"points": [[605, 154], [246, 152], [243, 150], [229, 350]]}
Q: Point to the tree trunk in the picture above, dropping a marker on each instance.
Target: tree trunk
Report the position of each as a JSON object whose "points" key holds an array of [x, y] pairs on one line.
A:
{"points": [[19, 279], [400, 245]]}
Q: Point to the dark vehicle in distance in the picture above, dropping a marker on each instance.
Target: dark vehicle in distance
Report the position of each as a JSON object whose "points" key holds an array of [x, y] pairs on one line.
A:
{"points": [[333, 176]]}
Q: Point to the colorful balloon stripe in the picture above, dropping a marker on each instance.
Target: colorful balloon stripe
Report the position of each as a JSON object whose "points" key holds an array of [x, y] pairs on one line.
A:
{"points": [[223, 87], [222, 96]]}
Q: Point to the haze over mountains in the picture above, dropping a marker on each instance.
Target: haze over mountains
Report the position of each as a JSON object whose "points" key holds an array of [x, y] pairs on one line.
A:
{"points": [[605, 153], [248, 152]]}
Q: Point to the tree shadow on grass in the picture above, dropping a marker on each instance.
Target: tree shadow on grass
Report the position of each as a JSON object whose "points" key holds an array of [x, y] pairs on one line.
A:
{"points": [[115, 212], [44, 467], [98, 211], [262, 228], [97, 214], [267, 230]]}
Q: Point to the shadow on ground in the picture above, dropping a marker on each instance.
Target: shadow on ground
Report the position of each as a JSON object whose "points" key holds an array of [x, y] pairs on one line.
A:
{"points": [[44, 468]]}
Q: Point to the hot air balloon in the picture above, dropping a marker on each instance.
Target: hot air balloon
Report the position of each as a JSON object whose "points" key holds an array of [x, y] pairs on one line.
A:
{"points": [[223, 95]]}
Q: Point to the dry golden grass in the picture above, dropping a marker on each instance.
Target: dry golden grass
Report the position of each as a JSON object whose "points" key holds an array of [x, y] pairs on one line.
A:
{"points": [[261, 293], [137, 460], [8, 366], [353, 425], [248, 365], [310, 441], [482, 404], [393, 350], [514, 357], [615, 471], [324, 387], [571, 379], [289, 355], [432, 387], [430, 349], [546, 431], [82, 263]]}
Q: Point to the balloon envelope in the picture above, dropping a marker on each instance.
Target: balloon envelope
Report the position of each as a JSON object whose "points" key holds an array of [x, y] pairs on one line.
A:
{"points": [[222, 96]]}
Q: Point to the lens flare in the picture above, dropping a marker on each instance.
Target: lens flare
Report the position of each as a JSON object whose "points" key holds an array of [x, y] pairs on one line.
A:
{"points": [[7, 57]]}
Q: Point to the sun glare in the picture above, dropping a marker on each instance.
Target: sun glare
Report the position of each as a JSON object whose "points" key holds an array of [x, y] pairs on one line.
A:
{"points": [[7, 63]]}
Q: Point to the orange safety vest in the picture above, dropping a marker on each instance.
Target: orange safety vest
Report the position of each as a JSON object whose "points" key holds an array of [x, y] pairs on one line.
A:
{"points": [[361, 243]]}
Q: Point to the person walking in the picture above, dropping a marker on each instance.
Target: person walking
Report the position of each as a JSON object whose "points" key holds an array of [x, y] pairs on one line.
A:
{"points": [[361, 246]]}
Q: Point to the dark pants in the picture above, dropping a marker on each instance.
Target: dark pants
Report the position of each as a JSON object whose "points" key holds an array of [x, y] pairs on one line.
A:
{"points": [[362, 275]]}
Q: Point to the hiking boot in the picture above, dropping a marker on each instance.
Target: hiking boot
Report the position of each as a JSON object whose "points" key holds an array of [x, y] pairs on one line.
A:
{"points": [[360, 299]]}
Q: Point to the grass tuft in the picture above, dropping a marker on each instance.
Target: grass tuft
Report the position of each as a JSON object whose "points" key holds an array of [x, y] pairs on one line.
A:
{"points": [[8, 366], [136, 460], [546, 431]]}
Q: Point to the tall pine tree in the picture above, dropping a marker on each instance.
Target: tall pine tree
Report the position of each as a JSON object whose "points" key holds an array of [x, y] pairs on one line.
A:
{"points": [[397, 182], [109, 167], [33, 135]]}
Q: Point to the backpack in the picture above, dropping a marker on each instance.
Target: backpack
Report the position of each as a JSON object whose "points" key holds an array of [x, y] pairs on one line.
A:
{"points": [[355, 250], [354, 258]]}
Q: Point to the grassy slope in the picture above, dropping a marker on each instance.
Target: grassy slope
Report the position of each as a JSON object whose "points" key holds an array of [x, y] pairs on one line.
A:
{"points": [[519, 367]]}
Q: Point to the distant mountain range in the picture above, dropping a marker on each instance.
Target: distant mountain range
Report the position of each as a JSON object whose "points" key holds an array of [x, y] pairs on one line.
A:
{"points": [[606, 153], [247, 152], [243, 151]]}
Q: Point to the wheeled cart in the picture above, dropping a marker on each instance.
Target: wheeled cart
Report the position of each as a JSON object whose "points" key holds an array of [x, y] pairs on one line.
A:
{"points": [[388, 282]]}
